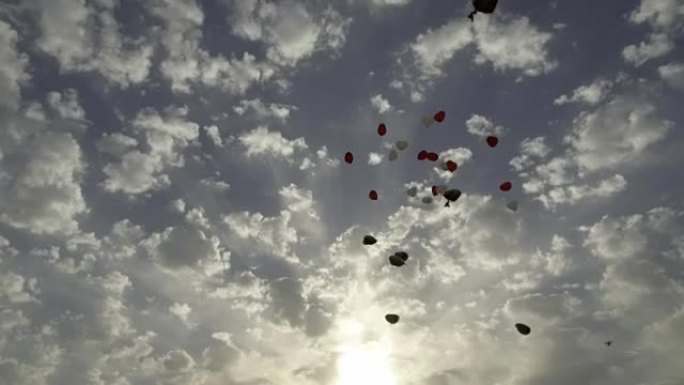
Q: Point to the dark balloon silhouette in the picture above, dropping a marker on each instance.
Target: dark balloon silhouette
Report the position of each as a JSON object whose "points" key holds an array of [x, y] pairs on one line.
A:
{"points": [[348, 157], [373, 195], [506, 186], [396, 261], [439, 116], [608, 343], [432, 156], [382, 129], [492, 141], [369, 240], [422, 155], [452, 196], [523, 329], [451, 165], [482, 6], [392, 156], [392, 318]]}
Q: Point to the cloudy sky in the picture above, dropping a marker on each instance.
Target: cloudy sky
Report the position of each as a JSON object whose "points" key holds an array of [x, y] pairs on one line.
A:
{"points": [[175, 208]]}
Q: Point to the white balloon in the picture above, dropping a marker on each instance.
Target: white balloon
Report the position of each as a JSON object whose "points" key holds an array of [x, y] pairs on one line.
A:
{"points": [[402, 145], [513, 206], [392, 156], [412, 191]]}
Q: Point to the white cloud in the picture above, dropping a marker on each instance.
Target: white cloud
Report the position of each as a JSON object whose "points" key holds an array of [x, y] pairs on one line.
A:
{"points": [[135, 173], [66, 104], [182, 311], [666, 19], [657, 45], [591, 94], [673, 74], [263, 110], [185, 246], [214, 135], [67, 34], [289, 30], [381, 104], [374, 159], [116, 144], [13, 67], [261, 141], [530, 149], [482, 127]]}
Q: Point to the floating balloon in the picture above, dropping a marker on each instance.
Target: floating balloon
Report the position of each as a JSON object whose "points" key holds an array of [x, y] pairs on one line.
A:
{"points": [[402, 145], [451, 165], [432, 156], [382, 129], [392, 156], [348, 157], [396, 260], [505, 186], [434, 191], [428, 120], [422, 155], [513, 206], [427, 200], [523, 329], [402, 254], [492, 141], [392, 318], [369, 240], [482, 6], [412, 191], [373, 195], [439, 116], [452, 196], [608, 343]]}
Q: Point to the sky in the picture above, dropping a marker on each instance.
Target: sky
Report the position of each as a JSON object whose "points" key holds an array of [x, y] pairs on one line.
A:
{"points": [[175, 207]]}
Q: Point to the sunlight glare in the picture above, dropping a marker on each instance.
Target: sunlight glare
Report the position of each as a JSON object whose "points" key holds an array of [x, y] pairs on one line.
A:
{"points": [[365, 365]]}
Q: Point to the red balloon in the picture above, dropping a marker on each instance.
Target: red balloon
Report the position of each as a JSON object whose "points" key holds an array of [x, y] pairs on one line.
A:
{"points": [[492, 141], [382, 129], [506, 186], [432, 156], [434, 191], [348, 157], [422, 155], [439, 117], [373, 195], [452, 166]]}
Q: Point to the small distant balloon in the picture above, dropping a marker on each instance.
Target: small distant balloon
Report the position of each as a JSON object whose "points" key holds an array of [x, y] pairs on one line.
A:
{"points": [[402, 145], [452, 196], [412, 191], [373, 195], [427, 200], [428, 120], [439, 116], [523, 329], [348, 157], [396, 261], [422, 155], [369, 240], [451, 165], [392, 156], [382, 129], [513, 205], [392, 318], [492, 141], [506, 186], [432, 156], [434, 191]]}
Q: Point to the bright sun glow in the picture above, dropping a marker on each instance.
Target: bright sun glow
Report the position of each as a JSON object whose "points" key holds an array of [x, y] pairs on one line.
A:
{"points": [[366, 365]]}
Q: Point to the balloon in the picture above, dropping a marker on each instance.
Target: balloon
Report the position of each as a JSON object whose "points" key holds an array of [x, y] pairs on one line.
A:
{"points": [[373, 195], [523, 329], [422, 155], [348, 157], [492, 141], [392, 156], [392, 318], [396, 261], [402, 254], [452, 196], [439, 117], [434, 191], [513, 205], [428, 120], [432, 156], [506, 186], [402, 145], [382, 129], [427, 200], [412, 192], [608, 343], [483, 6], [451, 165], [369, 240]]}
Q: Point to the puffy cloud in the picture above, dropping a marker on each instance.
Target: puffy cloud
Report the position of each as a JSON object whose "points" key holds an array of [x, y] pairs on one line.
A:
{"points": [[135, 173], [116, 144], [13, 69], [381, 104], [657, 45], [591, 94], [290, 31], [261, 141], [184, 246], [66, 104], [374, 159], [482, 127], [67, 34], [673, 74], [530, 149], [42, 192], [214, 135], [666, 19], [264, 110]]}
